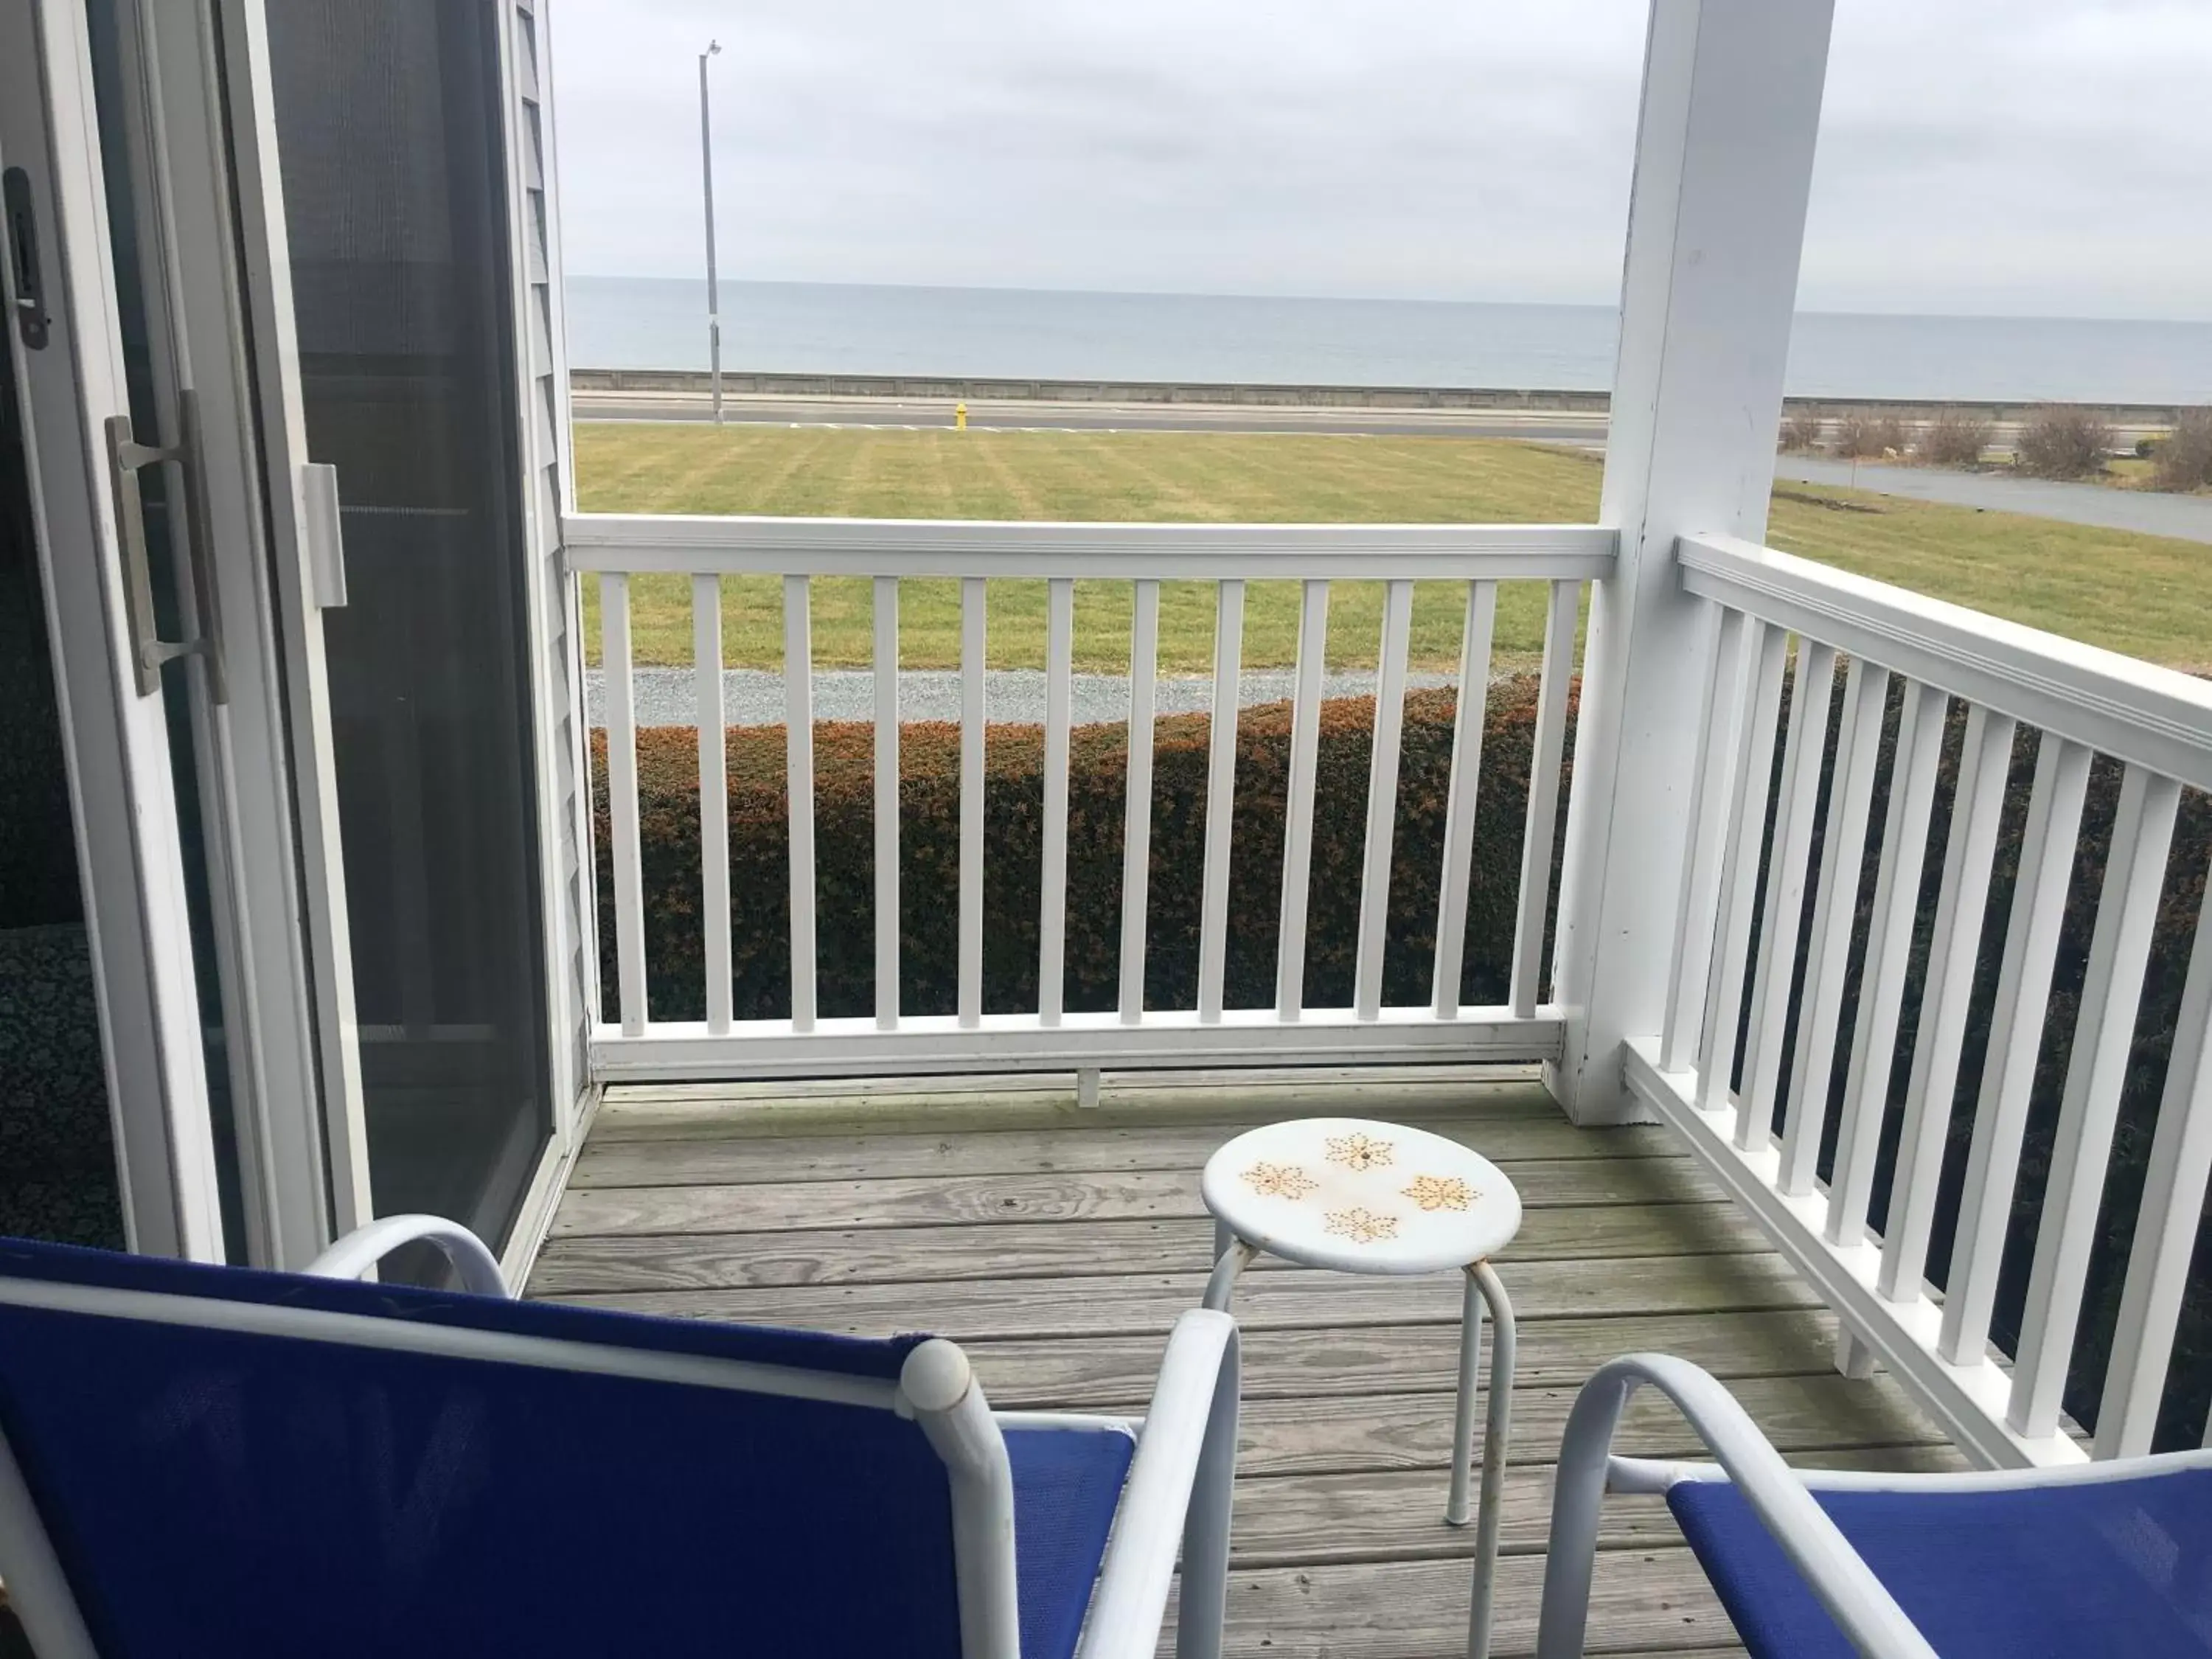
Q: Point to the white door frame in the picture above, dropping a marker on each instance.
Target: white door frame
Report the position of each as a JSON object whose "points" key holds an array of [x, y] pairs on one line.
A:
{"points": [[202, 173], [555, 619], [115, 737]]}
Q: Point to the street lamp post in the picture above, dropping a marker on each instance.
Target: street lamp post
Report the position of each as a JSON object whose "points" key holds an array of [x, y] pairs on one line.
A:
{"points": [[707, 182]]}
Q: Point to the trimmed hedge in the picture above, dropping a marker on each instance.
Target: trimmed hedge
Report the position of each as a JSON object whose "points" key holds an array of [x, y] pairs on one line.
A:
{"points": [[929, 831]]}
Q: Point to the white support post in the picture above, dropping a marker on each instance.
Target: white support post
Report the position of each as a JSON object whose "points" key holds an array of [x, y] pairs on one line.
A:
{"points": [[1716, 219]]}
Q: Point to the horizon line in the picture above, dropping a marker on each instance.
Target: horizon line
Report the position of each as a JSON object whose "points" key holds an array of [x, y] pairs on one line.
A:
{"points": [[1368, 298]]}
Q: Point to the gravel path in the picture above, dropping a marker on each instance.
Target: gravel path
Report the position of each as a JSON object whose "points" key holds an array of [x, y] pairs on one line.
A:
{"points": [[2145, 512], [754, 696]]}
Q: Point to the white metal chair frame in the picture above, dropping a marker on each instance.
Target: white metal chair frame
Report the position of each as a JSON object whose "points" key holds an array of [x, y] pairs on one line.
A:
{"points": [[1782, 1497], [1177, 1493]]}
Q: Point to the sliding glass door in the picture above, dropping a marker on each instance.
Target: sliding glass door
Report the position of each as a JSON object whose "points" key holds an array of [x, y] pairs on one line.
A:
{"points": [[389, 131]]}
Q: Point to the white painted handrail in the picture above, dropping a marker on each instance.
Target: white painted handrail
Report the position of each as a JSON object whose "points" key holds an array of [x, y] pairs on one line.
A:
{"points": [[2157, 718], [1474, 557], [1935, 662], [1207, 552]]}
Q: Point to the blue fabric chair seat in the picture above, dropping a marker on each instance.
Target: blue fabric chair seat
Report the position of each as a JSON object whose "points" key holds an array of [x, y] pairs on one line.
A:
{"points": [[1067, 1483], [313, 1497], [2111, 1567]]}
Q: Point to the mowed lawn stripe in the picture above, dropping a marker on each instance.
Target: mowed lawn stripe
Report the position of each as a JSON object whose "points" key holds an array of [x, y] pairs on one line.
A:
{"points": [[2143, 595]]}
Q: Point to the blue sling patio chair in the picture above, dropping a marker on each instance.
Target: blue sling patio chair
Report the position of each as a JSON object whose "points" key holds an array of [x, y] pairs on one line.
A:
{"points": [[2111, 1558], [199, 1460]]}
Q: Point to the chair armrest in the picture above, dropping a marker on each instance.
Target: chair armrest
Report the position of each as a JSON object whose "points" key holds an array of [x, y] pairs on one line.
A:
{"points": [[1845, 1585], [1183, 1430], [361, 1249]]}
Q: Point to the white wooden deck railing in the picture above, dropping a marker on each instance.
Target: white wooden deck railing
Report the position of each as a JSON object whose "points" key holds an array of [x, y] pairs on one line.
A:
{"points": [[617, 548], [2083, 702]]}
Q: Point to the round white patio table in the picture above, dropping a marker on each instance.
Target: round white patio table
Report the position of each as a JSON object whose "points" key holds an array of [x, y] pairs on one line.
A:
{"points": [[1362, 1197]]}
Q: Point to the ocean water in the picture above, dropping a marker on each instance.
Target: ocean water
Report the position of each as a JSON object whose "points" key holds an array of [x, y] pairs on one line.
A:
{"points": [[631, 322]]}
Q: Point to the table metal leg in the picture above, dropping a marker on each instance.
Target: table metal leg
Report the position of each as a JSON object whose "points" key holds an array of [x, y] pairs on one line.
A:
{"points": [[1484, 1291], [1470, 1362], [1226, 1271]]}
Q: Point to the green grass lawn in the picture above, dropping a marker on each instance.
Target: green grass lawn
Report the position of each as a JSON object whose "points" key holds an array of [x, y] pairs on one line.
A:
{"points": [[2144, 595]]}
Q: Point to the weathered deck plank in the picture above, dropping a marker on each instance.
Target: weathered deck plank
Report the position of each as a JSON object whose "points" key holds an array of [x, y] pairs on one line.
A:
{"points": [[1075, 1195], [1817, 1414], [586, 1263], [701, 1162], [1059, 1244], [952, 1105], [1297, 1299], [1645, 1600], [1398, 1515], [1115, 1371]]}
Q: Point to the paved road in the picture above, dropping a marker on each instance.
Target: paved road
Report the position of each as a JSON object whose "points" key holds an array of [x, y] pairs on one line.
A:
{"points": [[2189, 517], [754, 696], [900, 414]]}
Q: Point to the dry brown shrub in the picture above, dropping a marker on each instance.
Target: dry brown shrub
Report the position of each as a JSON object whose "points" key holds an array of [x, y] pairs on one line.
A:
{"points": [[2183, 459], [1862, 434], [2064, 441], [1956, 437]]}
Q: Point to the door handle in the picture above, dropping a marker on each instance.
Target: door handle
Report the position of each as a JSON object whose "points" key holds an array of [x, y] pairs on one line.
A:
{"points": [[22, 240], [125, 457], [324, 532]]}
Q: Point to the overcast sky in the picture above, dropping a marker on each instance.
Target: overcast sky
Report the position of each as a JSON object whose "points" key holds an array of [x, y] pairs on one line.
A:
{"points": [[2041, 157]]}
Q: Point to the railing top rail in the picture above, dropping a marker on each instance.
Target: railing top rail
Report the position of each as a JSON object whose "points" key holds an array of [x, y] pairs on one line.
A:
{"points": [[2120, 706], [705, 545]]}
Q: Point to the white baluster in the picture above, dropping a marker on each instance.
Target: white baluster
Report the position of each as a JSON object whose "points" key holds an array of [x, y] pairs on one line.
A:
{"points": [[1785, 890], [621, 801], [1696, 911], [1382, 797], [1220, 799], [2096, 1069], [1541, 833], [1059, 700], [1137, 809], [713, 797], [1888, 950], [1843, 850], [2046, 861], [1473, 709], [2166, 1224], [799, 790], [887, 803], [1767, 649], [1954, 947], [1298, 836], [973, 714]]}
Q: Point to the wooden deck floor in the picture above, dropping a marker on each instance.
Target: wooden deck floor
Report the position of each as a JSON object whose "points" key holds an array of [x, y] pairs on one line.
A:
{"points": [[1058, 1244]]}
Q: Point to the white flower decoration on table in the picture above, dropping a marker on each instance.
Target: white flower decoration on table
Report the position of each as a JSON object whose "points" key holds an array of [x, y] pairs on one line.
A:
{"points": [[1360, 1152], [1441, 1192], [1361, 1226], [1279, 1181]]}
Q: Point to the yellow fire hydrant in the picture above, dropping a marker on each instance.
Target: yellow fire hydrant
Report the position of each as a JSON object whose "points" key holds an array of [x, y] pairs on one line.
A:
{"points": [[959, 417]]}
